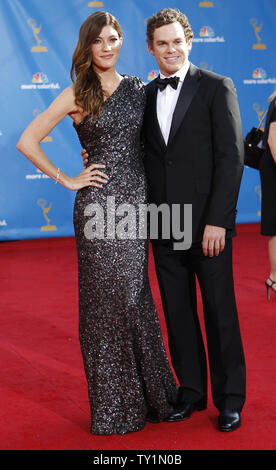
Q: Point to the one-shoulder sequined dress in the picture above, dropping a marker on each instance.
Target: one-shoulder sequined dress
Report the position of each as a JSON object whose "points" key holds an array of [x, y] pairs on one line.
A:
{"points": [[125, 362]]}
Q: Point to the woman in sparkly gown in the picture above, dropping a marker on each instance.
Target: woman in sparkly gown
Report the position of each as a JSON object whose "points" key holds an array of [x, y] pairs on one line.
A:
{"points": [[127, 370]]}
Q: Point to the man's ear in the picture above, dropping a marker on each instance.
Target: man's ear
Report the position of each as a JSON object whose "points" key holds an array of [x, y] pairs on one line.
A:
{"points": [[150, 49], [189, 45]]}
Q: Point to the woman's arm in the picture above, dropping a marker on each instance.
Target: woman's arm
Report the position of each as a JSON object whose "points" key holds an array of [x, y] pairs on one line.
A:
{"points": [[40, 127], [272, 139]]}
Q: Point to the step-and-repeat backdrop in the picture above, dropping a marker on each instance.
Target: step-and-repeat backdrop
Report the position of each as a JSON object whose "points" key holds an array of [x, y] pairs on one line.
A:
{"points": [[235, 38]]}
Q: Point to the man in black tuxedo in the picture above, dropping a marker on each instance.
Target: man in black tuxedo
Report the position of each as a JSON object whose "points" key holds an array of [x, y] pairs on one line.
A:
{"points": [[194, 155]]}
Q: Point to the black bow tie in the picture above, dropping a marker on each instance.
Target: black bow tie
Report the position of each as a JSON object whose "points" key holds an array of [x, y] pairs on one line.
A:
{"points": [[163, 82]]}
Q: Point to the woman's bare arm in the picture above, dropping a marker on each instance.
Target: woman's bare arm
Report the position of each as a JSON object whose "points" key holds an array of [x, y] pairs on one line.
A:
{"points": [[40, 127]]}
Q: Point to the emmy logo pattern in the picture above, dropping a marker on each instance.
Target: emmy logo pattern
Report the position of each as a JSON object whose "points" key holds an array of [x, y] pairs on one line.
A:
{"points": [[36, 30], [257, 28], [42, 203], [206, 4], [95, 4]]}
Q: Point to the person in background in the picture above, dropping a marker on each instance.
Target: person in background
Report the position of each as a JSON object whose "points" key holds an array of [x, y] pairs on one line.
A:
{"points": [[268, 184]]}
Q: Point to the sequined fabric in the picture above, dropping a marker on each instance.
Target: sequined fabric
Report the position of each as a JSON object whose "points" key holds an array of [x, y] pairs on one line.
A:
{"points": [[125, 362]]}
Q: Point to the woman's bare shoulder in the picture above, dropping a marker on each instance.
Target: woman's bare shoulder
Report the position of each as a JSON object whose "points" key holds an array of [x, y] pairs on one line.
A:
{"points": [[65, 102], [68, 95]]}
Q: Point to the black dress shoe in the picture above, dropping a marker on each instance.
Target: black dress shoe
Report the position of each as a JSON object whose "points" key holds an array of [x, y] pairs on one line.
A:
{"points": [[185, 410], [229, 420]]}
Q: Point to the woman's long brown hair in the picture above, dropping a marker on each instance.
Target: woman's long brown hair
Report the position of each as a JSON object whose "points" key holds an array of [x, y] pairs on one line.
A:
{"points": [[87, 86]]}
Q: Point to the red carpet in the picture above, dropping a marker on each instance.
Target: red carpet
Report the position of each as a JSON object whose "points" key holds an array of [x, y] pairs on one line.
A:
{"points": [[43, 390]]}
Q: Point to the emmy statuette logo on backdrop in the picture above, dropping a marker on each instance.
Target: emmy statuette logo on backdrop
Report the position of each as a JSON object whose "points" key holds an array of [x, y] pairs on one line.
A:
{"points": [[260, 113], [257, 28], [95, 4], [48, 227], [206, 4], [206, 66], [36, 30]]}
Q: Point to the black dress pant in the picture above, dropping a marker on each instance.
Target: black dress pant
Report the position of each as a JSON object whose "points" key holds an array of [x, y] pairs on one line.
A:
{"points": [[176, 273]]}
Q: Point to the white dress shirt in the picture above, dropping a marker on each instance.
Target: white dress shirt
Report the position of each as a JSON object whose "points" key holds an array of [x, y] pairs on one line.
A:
{"points": [[167, 99]]}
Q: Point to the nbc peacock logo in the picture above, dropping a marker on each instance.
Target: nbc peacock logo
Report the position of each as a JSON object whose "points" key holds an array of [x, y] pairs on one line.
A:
{"points": [[40, 81], [259, 73], [152, 75], [207, 34], [40, 77], [259, 77]]}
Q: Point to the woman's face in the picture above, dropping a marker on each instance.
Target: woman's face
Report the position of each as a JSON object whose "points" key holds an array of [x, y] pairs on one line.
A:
{"points": [[105, 48]]}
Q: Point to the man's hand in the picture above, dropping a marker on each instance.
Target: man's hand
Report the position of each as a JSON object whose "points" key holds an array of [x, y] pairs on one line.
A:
{"points": [[84, 155], [213, 241]]}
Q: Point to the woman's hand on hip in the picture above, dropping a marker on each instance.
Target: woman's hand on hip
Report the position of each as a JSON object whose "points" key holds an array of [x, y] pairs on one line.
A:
{"points": [[90, 176]]}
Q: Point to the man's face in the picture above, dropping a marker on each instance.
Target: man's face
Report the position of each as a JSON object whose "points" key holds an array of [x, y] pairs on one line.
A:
{"points": [[170, 48]]}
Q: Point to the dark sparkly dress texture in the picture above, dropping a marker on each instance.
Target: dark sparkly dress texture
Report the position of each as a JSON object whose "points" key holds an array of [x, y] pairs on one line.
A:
{"points": [[125, 362]]}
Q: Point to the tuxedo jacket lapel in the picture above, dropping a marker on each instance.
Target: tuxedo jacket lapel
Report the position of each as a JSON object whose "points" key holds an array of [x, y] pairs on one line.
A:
{"points": [[152, 113], [188, 90]]}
